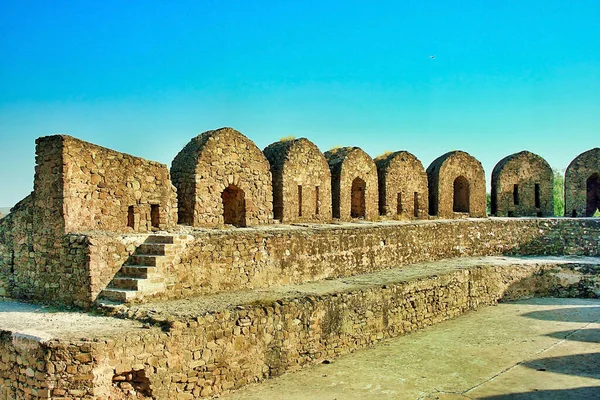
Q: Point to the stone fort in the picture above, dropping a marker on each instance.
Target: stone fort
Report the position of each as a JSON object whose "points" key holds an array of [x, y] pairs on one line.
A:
{"points": [[115, 233]]}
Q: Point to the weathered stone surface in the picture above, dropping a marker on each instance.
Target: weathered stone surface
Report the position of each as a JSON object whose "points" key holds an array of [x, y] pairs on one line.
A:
{"points": [[222, 178], [582, 185], [98, 189], [456, 186], [354, 188], [301, 181], [403, 191], [522, 185]]}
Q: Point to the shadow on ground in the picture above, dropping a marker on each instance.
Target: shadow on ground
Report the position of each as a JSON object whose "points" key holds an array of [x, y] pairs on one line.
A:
{"points": [[587, 365], [572, 314], [587, 393], [583, 335]]}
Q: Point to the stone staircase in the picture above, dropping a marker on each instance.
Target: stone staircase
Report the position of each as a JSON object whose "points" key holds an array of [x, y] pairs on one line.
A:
{"points": [[142, 274]]}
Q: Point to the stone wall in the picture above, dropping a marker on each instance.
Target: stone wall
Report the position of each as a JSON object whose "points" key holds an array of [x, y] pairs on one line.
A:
{"points": [[112, 191], [222, 178], [217, 261], [403, 191], [456, 186], [195, 353], [354, 188], [582, 184], [522, 185], [77, 187], [32, 368], [301, 181]]}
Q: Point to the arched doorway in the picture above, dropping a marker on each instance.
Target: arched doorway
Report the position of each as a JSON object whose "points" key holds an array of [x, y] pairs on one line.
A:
{"points": [[234, 206], [461, 195], [593, 195], [357, 198]]}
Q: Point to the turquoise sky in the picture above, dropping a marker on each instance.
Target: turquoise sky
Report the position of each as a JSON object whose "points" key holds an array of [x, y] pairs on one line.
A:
{"points": [[143, 77]]}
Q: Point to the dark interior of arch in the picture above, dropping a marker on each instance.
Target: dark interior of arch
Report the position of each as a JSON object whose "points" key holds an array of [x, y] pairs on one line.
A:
{"points": [[461, 195], [357, 198], [593, 195], [234, 206]]}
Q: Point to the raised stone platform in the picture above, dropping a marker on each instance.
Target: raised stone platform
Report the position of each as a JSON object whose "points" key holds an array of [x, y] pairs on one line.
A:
{"points": [[209, 345]]}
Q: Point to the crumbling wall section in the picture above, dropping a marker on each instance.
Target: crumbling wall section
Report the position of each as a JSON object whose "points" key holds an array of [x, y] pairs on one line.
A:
{"points": [[456, 186], [403, 190], [111, 191], [354, 188], [223, 178], [582, 185], [522, 185], [301, 181]]}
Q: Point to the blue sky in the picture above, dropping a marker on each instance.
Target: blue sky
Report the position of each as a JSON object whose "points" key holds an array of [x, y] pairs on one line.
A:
{"points": [[143, 77]]}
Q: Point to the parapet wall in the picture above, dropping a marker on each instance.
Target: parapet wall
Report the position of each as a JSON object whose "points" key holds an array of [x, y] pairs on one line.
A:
{"points": [[218, 261], [223, 261]]}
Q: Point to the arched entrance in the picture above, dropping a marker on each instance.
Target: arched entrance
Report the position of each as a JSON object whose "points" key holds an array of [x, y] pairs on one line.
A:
{"points": [[234, 206], [461, 195], [357, 198], [593, 195]]}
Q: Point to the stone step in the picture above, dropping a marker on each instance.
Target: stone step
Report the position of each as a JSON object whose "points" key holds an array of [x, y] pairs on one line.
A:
{"points": [[144, 259], [159, 249], [120, 295], [137, 271], [163, 239], [138, 284]]}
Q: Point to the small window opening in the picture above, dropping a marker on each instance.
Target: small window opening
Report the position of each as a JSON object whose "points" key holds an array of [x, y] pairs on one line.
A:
{"points": [[516, 195], [539, 213], [155, 215], [299, 200], [574, 213], [399, 203], [416, 205], [316, 200], [538, 202], [130, 217]]}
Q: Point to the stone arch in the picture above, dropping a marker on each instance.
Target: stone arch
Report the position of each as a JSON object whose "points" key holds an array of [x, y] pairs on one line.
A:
{"points": [[578, 198], [346, 164], [522, 185], [209, 164], [301, 181], [442, 174], [403, 190], [234, 206], [461, 194]]}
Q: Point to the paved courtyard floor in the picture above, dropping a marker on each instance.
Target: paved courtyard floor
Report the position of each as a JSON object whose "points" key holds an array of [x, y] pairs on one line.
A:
{"points": [[530, 349]]}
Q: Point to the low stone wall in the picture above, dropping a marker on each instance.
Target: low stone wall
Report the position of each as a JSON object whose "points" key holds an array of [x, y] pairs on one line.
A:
{"points": [[33, 369], [224, 261], [194, 354], [81, 265]]}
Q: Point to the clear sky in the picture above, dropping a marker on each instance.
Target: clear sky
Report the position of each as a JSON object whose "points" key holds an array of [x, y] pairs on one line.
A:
{"points": [[143, 77]]}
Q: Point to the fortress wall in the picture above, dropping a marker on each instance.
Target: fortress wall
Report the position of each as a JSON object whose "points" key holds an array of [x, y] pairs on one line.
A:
{"points": [[219, 261], [202, 354], [100, 186]]}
